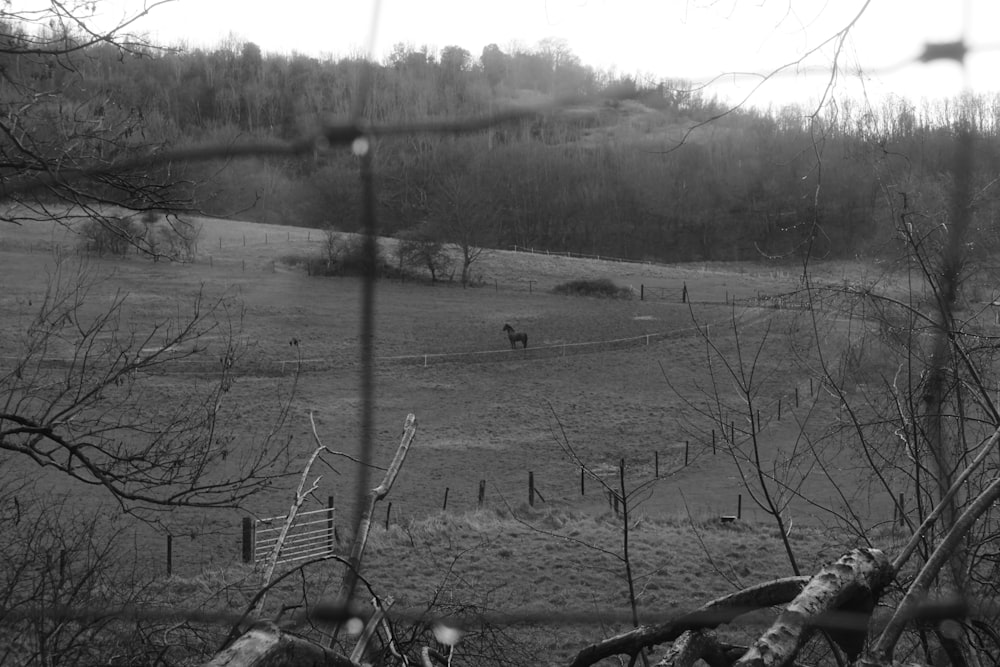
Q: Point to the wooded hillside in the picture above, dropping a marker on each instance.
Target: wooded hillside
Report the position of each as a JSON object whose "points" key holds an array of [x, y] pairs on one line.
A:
{"points": [[636, 176]]}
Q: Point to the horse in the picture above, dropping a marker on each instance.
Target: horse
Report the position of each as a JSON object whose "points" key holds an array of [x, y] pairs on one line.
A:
{"points": [[515, 337]]}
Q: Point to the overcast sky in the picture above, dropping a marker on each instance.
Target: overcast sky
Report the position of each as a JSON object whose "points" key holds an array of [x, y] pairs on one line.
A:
{"points": [[691, 39]]}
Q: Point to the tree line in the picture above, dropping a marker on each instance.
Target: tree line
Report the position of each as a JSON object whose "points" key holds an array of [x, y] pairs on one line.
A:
{"points": [[626, 176]]}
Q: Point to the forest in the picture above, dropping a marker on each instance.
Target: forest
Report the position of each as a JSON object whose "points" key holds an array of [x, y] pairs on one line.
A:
{"points": [[643, 169]]}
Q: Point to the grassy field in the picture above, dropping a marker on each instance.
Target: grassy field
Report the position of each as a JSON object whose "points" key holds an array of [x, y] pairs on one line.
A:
{"points": [[499, 420]]}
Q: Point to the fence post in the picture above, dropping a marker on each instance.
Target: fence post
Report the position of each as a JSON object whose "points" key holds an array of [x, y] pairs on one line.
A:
{"points": [[779, 409], [642, 292], [329, 523], [170, 554], [684, 293], [482, 491], [796, 397], [531, 489], [686, 444], [581, 481], [445, 506], [388, 510], [656, 465], [247, 540], [713, 442], [739, 506]]}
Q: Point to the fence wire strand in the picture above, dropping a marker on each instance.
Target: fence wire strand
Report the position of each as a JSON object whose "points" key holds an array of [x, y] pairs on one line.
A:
{"points": [[363, 137]]}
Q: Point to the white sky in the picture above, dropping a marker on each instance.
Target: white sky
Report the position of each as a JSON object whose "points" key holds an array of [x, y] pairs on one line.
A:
{"points": [[692, 39]]}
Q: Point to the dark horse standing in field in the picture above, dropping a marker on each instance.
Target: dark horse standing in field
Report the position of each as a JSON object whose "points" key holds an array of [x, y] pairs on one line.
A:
{"points": [[515, 337]]}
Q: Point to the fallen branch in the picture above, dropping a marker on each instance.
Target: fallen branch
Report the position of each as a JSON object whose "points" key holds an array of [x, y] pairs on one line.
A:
{"points": [[266, 645], [853, 583], [711, 615], [692, 646]]}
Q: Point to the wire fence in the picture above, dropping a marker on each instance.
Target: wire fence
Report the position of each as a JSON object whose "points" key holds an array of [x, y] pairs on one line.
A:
{"points": [[348, 134]]}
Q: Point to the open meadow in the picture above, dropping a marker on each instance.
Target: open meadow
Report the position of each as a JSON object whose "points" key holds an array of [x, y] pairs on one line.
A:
{"points": [[590, 382]]}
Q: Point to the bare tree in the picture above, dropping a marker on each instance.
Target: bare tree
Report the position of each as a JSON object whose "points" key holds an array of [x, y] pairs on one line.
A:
{"points": [[420, 247], [464, 219]]}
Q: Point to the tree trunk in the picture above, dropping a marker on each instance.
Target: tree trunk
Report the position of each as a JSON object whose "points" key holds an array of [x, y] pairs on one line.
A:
{"points": [[265, 645]]}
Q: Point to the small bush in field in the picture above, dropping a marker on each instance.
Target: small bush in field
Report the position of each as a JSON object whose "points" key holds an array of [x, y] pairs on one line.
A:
{"points": [[601, 287], [342, 255], [111, 235]]}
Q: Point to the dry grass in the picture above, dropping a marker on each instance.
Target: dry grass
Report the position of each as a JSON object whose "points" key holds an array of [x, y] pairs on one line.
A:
{"points": [[492, 421]]}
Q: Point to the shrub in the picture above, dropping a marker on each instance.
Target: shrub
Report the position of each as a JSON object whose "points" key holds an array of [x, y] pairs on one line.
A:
{"points": [[601, 287], [109, 235], [173, 238], [342, 255]]}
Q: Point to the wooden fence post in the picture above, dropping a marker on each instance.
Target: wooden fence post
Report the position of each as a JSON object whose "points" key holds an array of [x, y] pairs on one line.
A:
{"points": [[686, 447], [581, 481], [482, 491], [739, 506], [531, 489], [247, 540], [656, 465], [388, 511], [713, 442], [445, 506], [684, 293], [170, 554], [642, 292]]}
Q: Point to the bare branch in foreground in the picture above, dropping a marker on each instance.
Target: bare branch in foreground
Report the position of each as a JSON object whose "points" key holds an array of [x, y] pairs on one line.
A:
{"points": [[364, 526]]}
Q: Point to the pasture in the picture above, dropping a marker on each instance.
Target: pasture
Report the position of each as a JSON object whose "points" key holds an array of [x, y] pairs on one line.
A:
{"points": [[484, 411]]}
